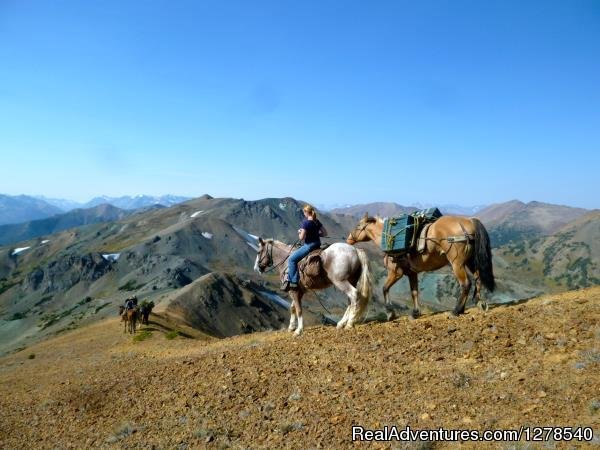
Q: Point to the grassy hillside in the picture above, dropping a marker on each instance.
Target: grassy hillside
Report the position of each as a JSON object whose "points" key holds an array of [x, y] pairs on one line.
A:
{"points": [[532, 364], [27, 230]]}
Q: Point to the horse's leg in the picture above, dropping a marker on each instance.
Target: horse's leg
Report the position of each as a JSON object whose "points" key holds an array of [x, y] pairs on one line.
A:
{"points": [[393, 275], [345, 317], [465, 285], [293, 320], [351, 313], [477, 292], [297, 301], [413, 279]]}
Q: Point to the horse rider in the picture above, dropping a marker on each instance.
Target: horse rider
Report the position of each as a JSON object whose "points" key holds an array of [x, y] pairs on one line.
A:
{"points": [[130, 303], [310, 232]]}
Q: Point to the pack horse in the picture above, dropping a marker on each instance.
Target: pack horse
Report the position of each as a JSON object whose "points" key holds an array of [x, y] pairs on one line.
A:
{"points": [[438, 241]]}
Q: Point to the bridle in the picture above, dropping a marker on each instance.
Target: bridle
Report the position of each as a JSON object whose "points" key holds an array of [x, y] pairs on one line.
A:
{"points": [[269, 257], [356, 231]]}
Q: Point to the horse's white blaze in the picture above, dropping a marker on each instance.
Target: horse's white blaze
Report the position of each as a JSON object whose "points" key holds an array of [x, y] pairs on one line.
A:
{"points": [[256, 269]]}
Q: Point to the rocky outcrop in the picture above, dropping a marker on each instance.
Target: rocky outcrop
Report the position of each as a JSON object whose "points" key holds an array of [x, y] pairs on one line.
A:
{"points": [[66, 271]]}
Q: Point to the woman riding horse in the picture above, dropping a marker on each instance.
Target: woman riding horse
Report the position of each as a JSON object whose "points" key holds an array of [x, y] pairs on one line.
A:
{"points": [[310, 231], [342, 266]]}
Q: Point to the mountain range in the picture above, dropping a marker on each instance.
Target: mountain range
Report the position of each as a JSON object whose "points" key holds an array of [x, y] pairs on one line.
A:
{"points": [[21, 208], [81, 274], [516, 220], [194, 260], [389, 209], [24, 208], [22, 231]]}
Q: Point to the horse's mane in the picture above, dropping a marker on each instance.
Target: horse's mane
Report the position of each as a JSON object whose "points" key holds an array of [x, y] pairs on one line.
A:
{"points": [[275, 242], [375, 219]]}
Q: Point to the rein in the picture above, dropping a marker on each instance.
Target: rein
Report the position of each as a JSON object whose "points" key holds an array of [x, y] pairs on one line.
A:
{"points": [[270, 256], [319, 298]]}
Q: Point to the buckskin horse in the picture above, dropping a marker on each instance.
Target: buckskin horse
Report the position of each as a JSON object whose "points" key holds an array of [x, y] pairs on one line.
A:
{"points": [[459, 241], [129, 317], [341, 265]]}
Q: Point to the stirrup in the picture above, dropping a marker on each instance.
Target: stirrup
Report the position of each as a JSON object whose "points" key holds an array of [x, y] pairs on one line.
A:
{"points": [[285, 286]]}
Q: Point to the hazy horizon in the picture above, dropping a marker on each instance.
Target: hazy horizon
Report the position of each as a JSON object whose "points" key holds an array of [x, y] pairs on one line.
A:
{"points": [[328, 205]]}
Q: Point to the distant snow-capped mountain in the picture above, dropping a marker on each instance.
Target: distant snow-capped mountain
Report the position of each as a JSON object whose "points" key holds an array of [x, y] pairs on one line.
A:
{"points": [[138, 201]]}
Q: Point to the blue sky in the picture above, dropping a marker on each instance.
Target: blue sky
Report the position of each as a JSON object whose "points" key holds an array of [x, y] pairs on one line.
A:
{"points": [[332, 102]]}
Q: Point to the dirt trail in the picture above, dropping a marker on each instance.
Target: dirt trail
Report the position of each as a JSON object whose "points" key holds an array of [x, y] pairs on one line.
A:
{"points": [[537, 364]]}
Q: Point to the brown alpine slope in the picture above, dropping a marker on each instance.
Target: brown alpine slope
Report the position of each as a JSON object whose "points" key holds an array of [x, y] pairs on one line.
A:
{"points": [[536, 363]]}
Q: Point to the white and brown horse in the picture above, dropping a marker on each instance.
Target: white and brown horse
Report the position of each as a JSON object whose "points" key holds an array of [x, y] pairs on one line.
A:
{"points": [[344, 266], [459, 241]]}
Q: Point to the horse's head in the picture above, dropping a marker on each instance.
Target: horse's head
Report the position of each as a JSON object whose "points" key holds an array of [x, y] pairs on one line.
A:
{"points": [[264, 257], [359, 233]]}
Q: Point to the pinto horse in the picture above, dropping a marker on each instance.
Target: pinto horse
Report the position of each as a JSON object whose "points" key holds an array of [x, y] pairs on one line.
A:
{"points": [[344, 266], [459, 241]]}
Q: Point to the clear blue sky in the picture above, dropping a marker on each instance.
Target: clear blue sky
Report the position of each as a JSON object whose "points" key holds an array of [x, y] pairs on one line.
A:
{"points": [[465, 102]]}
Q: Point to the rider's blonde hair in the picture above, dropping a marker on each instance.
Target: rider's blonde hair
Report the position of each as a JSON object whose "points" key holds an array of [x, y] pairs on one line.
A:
{"points": [[310, 210]]}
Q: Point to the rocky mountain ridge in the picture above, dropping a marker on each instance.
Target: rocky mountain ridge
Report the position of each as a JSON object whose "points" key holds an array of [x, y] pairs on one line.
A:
{"points": [[78, 276]]}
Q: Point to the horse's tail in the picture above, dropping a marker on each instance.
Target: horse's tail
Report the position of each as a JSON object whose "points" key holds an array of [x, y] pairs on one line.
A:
{"points": [[482, 256], [364, 285]]}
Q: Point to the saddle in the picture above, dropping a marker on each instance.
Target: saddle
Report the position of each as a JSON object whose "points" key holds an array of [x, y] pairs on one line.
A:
{"points": [[311, 269], [311, 265]]}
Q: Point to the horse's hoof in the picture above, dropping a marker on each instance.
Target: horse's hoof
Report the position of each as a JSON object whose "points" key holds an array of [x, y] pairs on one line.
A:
{"points": [[456, 313], [291, 329], [415, 314], [349, 326], [297, 333], [483, 306], [340, 325], [390, 315]]}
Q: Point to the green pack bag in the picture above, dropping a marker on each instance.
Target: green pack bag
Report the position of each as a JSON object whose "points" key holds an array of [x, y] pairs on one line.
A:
{"points": [[397, 234], [430, 214]]}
